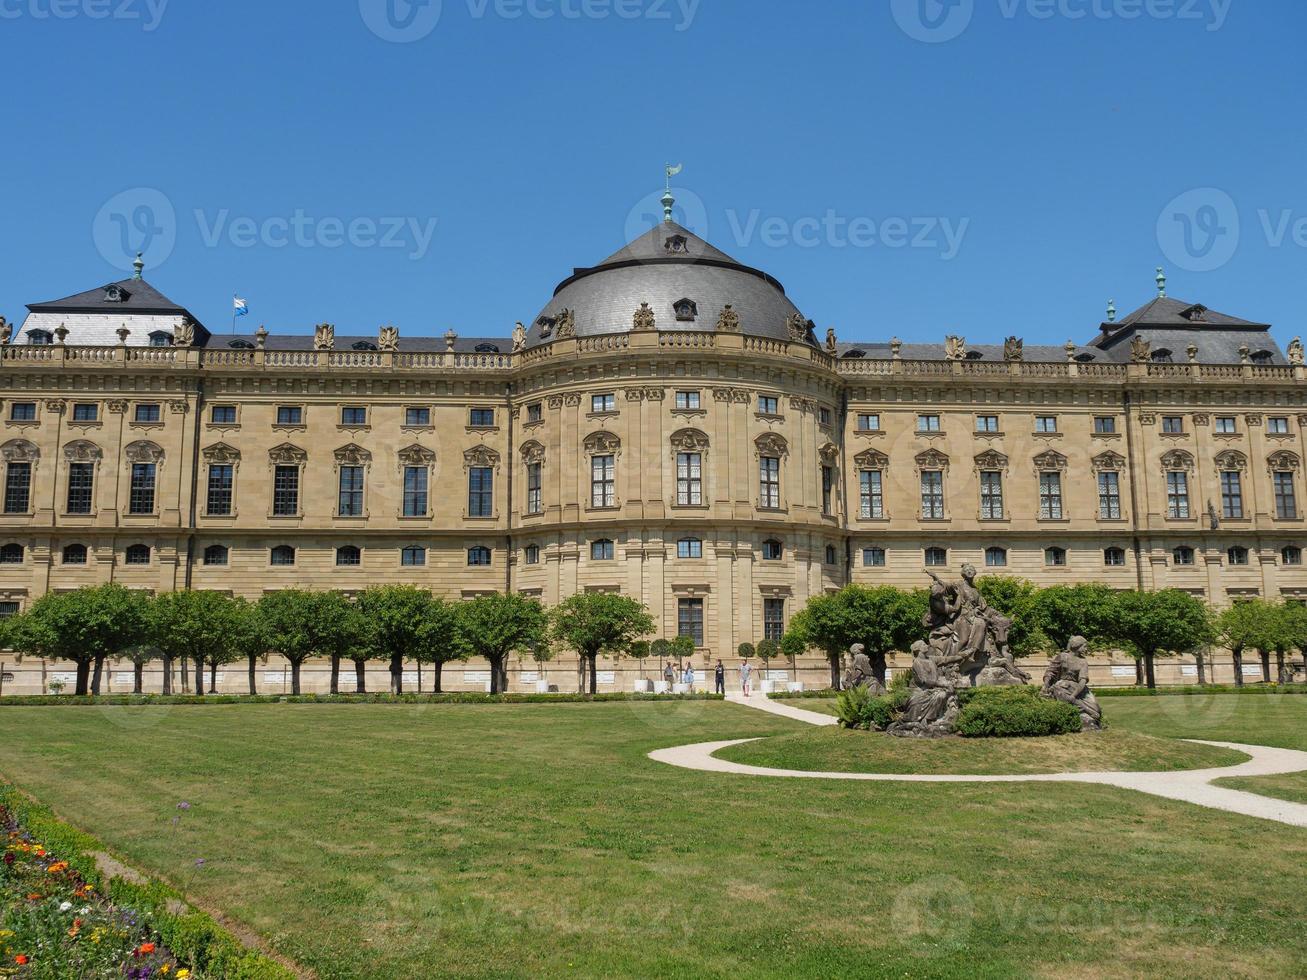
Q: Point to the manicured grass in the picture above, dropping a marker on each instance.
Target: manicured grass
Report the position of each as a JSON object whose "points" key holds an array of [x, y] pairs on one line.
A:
{"points": [[495, 841], [841, 750]]}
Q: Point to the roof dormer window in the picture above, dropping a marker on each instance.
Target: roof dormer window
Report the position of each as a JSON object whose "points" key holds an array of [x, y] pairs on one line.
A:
{"points": [[546, 325], [364, 345], [486, 348], [1196, 313], [160, 338], [686, 309], [855, 352], [676, 245], [1084, 358], [240, 345], [115, 294], [974, 355], [1162, 356], [1262, 357], [40, 338]]}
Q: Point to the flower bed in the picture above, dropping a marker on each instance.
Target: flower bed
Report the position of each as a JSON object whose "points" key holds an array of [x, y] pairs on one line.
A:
{"points": [[60, 917]]}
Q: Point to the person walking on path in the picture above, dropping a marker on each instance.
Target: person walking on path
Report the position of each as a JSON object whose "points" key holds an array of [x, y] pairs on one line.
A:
{"points": [[719, 679], [669, 675], [746, 672], [688, 678]]}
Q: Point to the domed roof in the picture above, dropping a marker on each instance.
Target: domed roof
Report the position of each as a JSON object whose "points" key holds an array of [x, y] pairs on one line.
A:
{"points": [[685, 280]]}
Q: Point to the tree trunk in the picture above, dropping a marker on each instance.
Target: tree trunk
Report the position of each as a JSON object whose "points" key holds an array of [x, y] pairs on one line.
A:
{"points": [[1266, 666], [437, 668], [494, 674], [360, 676], [199, 677], [834, 659], [335, 673], [1150, 671], [295, 676], [253, 687], [419, 676], [1139, 673], [1280, 677], [1238, 667], [594, 672], [1202, 668], [167, 673], [98, 675], [396, 673], [503, 675], [83, 675], [186, 681], [138, 681], [213, 678]]}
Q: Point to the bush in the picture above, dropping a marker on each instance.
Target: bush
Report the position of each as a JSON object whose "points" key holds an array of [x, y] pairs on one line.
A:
{"points": [[1013, 712], [858, 708]]}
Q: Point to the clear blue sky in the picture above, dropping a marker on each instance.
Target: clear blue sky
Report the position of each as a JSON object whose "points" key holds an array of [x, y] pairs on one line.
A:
{"points": [[1050, 146]]}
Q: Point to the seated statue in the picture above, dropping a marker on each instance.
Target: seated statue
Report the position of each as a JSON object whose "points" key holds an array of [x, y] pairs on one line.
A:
{"points": [[932, 709], [1067, 679], [859, 672]]}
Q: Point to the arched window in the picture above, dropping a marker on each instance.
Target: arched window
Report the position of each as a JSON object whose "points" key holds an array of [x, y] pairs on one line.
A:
{"points": [[240, 345], [348, 554], [137, 554], [1183, 555], [1237, 555], [478, 555], [1054, 557], [283, 554], [830, 554], [160, 338], [772, 550], [936, 557], [602, 550], [1262, 357], [995, 557], [689, 548], [1292, 555], [1114, 557], [873, 557], [75, 554], [1162, 356], [486, 348], [40, 338], [12, 554], [216, 554], [363, 345], [413, 556]]}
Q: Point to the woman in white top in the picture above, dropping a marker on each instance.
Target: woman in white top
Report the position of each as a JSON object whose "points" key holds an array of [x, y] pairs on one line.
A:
{"points": [[688, 677], [746, 671]]}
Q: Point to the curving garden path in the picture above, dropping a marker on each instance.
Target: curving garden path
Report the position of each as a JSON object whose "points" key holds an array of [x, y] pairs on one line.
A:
{"points": [[1191, 786]]}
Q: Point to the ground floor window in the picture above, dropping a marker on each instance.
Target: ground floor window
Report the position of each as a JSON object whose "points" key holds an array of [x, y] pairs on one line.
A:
{"points": [[773, 619], [689, 619]]}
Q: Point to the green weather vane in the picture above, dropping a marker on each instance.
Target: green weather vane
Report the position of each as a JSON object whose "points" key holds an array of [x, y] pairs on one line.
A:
{"points": [[668, 200]]}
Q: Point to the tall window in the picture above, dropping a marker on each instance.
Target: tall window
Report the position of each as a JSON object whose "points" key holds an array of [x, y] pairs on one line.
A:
{"points": [[1231, 494], [351, 491], [932, 494], [480, 491], [773, 619], [286, 491], [689, 619], [81, 482], [415, 491], [1177, 494], [995, 557], [603, 481], [871, 494], [141, 498], [991, 495], [18, 488], [1286, 503], [769, 481], [689, 479], [534, 496], [1050, 496], [218, 499], [827, 489], [1109, 496]]}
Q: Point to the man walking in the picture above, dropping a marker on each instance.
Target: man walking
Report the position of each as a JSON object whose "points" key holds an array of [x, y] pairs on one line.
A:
{"points": [[746, 672], [719, 679]]}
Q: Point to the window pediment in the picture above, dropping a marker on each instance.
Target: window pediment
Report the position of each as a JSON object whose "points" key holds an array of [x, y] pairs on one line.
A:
{"points": [[81, 451], [689, 441], [143, 451], [1177, 459], [1231, 460], [602, 444], [1283, 461], [480, 456], [533, 452], [771, 444], [1109, 461], [871, 460], [416, 455], [991, 460], [1050, 460], [287, 455], [352, 455], [931, 459], [20, 451], [829, 453], [220, 452]]}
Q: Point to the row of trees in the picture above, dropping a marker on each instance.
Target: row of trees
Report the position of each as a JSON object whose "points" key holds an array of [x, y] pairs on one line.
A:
{"points": [[1146, 625], [394, 623]]}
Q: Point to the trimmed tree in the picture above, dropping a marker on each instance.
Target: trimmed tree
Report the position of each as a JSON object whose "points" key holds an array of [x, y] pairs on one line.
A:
{"points": [[639, 649], [1016, 598], [592, 623], [767, 651], [394, 619], [298, 624], [495, 625], [195, 627], [1153, 624], [883, 619], [660, 649], [1064, 611], [440, 640], [85, 626], [682, 650]]}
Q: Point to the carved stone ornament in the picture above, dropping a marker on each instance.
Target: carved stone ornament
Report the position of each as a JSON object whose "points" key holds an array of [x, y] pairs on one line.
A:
{"points": [[352, 455], [555, 401], [1050, 460], [287, 455], [955, 348], [1230, 461], [81, 451], [532, 452], [519, 337], [572, 398], [1108, 462], [1148, 419], [771, 444], [689, 441], [178, 406], [802, 404], [830, 340], [183, 335], [143, 451], [7, 330], [481, 456], [602, 444], [931, 459], [1202, 418], [116, 405], [55, 406], [1253, 419], [261, 337], [829, 453], [1140, 350], [655, 394], [728, 321], [220, 452], [1282, 462], [737, 395], [20, 451], [1295, 351], [1014, 349], [565, 325], [797, 328], [324, 336], [388, 339], [416, 455], [1177, 459], [991, 459], [634, 394], [871, 459], [644, 319]]}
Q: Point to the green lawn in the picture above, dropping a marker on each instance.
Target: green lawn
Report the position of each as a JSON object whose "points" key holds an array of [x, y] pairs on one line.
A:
{"points": [[824, 706], [538, 840]]}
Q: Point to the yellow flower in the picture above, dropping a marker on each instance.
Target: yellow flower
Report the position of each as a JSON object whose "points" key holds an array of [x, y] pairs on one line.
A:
{"points": [[183, 973]]}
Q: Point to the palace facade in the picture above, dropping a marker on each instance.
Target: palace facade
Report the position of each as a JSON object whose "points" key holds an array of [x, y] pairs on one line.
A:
{"points": [[670, 426]]}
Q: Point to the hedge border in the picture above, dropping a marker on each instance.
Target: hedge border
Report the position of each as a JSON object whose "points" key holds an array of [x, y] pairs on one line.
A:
{"points": [[192, 936], [464, 697], [1189, 690]]}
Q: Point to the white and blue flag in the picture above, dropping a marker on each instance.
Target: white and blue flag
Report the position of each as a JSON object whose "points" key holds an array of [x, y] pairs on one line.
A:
{"points": [[239, 306]]}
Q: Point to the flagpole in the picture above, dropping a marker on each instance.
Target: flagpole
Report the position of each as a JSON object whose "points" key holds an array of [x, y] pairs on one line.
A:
{"points": [[233, 314]]}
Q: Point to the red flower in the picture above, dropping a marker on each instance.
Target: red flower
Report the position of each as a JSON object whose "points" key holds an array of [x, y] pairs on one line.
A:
{"points": [[20, 959], [9, 857], [145, 949]]}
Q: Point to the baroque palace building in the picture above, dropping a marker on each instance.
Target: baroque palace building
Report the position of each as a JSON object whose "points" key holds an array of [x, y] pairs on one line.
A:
{"points": [[669, 426]]}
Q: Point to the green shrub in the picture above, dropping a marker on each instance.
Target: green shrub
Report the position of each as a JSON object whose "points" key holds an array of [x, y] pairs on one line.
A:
{"points": [[1013, 712], [858, 708]]}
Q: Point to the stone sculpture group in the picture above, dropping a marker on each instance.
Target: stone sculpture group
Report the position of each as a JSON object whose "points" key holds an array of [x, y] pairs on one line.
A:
{"points": [[968, 647]]}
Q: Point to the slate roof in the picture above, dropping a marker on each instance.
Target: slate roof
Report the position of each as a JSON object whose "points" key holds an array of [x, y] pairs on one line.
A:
{"points": [[345, 342], [1174, 324], [139, 297]]}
